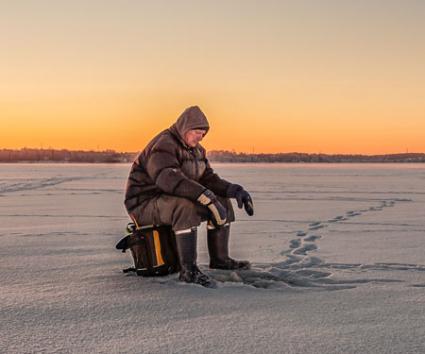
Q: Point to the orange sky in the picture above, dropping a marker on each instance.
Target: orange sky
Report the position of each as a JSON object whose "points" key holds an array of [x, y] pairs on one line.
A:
{"points": [[271, 76]]}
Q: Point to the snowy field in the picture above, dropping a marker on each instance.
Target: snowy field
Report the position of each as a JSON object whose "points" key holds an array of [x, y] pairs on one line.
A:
{"points": [[337, 251]]}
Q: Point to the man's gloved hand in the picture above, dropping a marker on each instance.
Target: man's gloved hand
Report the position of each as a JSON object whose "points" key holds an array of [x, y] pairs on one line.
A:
{"points": [[242, 196], [217, 209]]}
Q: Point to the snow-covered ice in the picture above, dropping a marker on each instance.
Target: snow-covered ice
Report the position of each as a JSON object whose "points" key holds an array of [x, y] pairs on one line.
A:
{"points": [[337, 251]]}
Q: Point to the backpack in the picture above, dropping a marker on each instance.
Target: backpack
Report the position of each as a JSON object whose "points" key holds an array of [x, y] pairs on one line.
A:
{"points": [[153, 249]]}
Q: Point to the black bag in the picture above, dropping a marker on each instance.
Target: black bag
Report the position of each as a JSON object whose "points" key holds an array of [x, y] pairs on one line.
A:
{"points": [[153, 249]]}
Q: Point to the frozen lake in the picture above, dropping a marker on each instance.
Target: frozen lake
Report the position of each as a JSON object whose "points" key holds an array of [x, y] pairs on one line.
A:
{"points": [[337, 251]]}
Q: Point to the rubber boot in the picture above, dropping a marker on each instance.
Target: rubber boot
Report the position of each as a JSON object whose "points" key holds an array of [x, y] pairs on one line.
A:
{"points": [[218, 248], [186, 249]]}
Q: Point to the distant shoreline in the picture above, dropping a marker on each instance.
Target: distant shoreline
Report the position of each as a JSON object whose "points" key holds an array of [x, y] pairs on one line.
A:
{"points": [[111, 156]]}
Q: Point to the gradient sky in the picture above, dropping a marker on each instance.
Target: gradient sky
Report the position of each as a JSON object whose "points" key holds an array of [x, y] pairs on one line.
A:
{"points": [[272, 76]]}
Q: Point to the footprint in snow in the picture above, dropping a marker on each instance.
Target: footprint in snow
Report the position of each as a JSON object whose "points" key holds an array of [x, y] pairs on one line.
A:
{"points": [[294, 243], [312, 238], [304, 249]]}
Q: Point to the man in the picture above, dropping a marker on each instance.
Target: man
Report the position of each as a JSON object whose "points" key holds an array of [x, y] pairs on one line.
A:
{"points": [[172, 183]]}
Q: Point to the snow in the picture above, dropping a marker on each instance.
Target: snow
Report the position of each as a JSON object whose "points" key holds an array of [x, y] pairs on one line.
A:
{"points": [[337, 251]]}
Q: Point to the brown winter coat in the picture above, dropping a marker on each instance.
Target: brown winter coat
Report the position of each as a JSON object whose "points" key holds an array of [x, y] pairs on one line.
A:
{"points": [[167, 165]]}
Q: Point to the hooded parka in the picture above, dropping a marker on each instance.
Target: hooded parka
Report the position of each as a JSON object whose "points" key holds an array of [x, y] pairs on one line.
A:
{"points": [[168, 176]]}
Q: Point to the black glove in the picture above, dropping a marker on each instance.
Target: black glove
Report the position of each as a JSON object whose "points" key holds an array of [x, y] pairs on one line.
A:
{"points": [[217, 209], [242, 196]]}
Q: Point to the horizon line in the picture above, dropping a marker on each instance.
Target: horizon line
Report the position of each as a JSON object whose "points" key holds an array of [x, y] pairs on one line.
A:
{"points": [[209, 151]]}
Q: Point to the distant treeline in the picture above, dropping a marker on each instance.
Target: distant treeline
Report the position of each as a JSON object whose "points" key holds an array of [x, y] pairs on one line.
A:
{"points": [[51, 155], [111, 156], [294, 157]]}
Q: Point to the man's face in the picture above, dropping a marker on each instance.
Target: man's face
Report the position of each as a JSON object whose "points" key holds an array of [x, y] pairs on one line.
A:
{"points": [[194, 136]]}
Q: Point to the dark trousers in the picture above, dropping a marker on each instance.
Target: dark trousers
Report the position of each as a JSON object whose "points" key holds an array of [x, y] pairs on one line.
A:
{"points": [[180, 213]]}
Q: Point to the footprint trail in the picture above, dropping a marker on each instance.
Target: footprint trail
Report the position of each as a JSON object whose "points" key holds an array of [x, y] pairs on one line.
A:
{"points": [[296, 270]]}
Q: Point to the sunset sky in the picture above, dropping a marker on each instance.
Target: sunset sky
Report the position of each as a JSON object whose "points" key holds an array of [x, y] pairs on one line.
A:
{"points": [[271, 76]]}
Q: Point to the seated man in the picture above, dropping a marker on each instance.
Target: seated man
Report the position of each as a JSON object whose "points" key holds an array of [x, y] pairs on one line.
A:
{"points": [[172, 183]]}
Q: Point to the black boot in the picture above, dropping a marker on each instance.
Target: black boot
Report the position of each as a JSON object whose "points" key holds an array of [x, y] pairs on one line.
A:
{"points": [[218, 247], [186, 249]]}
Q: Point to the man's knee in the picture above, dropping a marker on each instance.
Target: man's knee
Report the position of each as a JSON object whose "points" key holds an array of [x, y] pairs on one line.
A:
{"points": [[181, 213], [187, 208]]}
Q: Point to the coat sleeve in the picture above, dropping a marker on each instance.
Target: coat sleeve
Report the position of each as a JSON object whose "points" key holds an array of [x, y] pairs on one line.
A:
{"points": [[212, 181], [163, 167]]}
